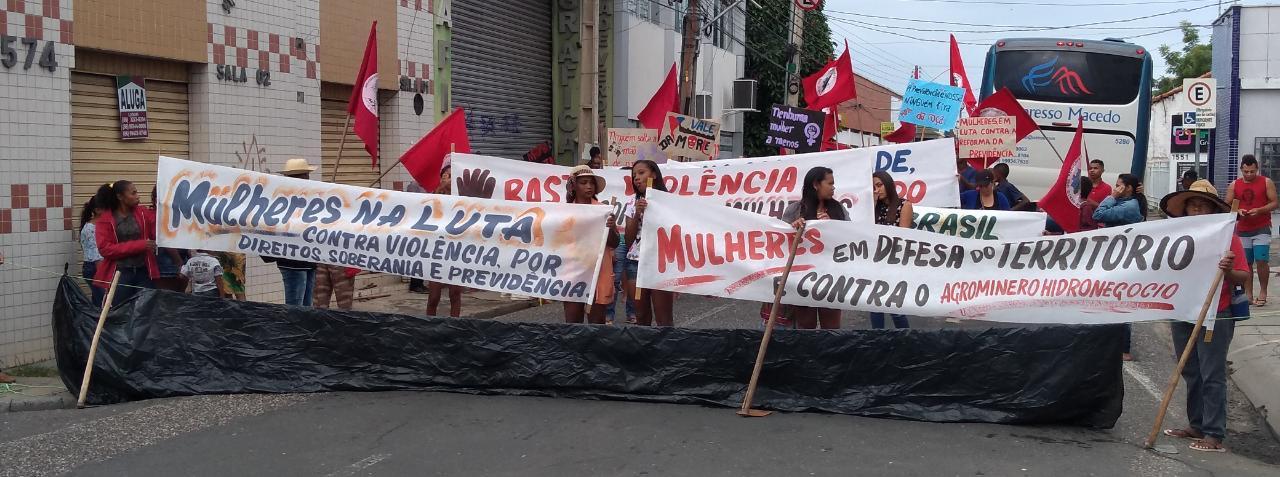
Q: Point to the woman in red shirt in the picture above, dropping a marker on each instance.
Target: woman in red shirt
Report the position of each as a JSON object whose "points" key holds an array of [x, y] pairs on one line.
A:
{"points": [[126, 236]]}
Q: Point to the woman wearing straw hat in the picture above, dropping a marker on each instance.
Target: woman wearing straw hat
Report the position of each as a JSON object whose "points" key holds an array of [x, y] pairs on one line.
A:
{"points": [[299, 277], [583, 185], [1206, 369]]}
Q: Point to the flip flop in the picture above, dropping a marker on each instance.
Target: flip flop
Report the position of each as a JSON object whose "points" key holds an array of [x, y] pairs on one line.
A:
{"points": [[1180, 433], [1259, 302], [1203, 446]]}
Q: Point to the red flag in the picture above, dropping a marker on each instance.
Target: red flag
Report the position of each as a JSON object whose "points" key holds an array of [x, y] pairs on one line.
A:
{"points": [[829, 128], [364, 97], [665, 100], [426, 158], [832, 84], [960, 78], [1063, 201], [1002, 103], [905, 133]]}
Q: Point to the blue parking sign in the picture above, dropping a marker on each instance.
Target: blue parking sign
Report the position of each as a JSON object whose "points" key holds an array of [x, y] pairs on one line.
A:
{"points": [[1189, 118]]}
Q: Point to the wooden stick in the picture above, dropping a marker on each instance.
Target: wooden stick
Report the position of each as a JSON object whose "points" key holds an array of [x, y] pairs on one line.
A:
{"points": [[342, 143], [647, 186], [93, 345], [384, 173], [1186, 351], [746, 410]]}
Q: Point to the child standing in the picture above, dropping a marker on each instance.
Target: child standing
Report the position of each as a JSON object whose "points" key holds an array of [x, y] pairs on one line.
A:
{"points": [[204, 274]]}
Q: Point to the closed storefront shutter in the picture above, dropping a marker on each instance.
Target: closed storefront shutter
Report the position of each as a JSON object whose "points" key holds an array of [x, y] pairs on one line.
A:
{"points": [[356, 168], [502, 73]]}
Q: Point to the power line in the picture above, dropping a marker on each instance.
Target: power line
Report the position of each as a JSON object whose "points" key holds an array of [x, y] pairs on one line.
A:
{"points": [[1057, 4], [1017, 28]]}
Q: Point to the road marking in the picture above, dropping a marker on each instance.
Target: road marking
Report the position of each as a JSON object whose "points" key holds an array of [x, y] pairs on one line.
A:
{"points": [[1132, 370], [708, 314], [360, 465]]}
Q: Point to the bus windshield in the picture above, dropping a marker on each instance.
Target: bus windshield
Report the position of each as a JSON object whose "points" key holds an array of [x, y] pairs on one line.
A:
{"points": [[1069, 76]]}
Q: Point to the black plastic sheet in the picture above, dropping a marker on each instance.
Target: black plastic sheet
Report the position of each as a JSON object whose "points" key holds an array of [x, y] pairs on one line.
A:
{"points": [[161, 344]]}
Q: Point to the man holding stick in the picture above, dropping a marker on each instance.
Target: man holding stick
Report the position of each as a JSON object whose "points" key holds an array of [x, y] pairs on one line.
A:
{"points": [[1206, 368]]}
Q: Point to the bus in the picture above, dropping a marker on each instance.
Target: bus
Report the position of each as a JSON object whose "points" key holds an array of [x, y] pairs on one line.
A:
{"points": [[1058, 82]]}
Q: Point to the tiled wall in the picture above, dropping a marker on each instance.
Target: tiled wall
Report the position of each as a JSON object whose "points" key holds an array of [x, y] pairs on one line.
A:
{"points": [[35, 163]]}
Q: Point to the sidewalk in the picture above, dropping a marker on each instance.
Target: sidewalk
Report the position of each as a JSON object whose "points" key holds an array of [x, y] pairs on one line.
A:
{"points": [[475, 303], [35, 394], [1255, 351]]}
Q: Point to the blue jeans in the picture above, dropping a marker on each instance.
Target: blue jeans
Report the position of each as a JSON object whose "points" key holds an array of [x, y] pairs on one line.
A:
{"points": [[132, 280], [298, 285], [95, 290], [620, 259], [1206, 376], [899, 321]]}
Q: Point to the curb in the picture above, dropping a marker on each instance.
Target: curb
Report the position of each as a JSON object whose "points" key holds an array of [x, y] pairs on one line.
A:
{"points": [[42, 403], [1253, 370]]}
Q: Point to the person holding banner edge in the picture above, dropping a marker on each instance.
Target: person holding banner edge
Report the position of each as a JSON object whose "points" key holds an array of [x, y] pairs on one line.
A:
{"points": [[653, 306], [817, 202], [582, 189], [436, 289], [298, 277], [1206, 370], [893, 211], [1125, 206]]}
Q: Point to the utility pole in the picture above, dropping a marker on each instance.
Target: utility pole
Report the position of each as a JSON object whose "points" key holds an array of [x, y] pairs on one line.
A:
{"points": [[588, 73], [689, 57], [795, 26]]}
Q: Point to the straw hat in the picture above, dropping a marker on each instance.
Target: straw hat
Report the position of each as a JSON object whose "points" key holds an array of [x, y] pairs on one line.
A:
{"points": [[297, 165], [1175, 204], [584, 171]]}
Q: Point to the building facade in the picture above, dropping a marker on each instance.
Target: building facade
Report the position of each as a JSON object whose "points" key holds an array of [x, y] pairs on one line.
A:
{"points": [[861, 117], [1246, 63], [245, 84]]}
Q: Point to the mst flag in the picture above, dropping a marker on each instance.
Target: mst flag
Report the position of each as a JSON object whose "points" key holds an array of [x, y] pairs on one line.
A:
{"points": [[363, 104], [1063, 201], [426, 158], [831, 85], [665, 100], [960, 78]]}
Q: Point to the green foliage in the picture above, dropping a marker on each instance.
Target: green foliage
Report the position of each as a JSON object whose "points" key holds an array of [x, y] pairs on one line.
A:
{"points": [[767, 36], [1193, 60]]}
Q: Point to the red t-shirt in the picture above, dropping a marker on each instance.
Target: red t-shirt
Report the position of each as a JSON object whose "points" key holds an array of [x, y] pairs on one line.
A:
{"points": [[1101, 190], [1251, 195], [1238, 264]]}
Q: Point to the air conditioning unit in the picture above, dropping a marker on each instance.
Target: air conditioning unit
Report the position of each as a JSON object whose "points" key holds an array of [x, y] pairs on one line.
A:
{"points": [[702, 106], [744, 94]]}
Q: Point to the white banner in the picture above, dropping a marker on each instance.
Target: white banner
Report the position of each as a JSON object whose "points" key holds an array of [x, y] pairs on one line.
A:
{"points": [[979, 224], [549, 251], [1150, 271], [924, 172]]}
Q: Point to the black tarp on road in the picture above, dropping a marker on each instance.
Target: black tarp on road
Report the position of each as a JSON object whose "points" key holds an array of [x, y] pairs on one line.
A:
{"points": [[162, 344]]}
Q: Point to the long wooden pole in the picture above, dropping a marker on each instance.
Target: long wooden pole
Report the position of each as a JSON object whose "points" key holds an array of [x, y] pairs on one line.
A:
{"points": [[1051, 146], [93, 345], [1186, 351], [746, 410], [342, 143]]}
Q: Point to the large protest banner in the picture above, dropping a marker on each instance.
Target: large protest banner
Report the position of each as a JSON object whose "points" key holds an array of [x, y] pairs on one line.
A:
{"points": [[1149, 271], [689, 137], [979, 224], [543, 250]]}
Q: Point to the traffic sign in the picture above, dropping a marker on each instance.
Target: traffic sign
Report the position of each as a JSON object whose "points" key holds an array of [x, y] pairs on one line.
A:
{"points": [[1200, 98], [808, 5]]}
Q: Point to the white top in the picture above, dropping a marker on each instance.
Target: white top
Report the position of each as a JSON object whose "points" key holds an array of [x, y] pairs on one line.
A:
{"points": [[629, 211], [203, 270]]}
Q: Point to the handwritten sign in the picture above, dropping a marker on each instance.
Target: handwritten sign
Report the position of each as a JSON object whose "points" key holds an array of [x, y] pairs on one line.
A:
{"points": [[794, 128], [886, 128], [1148, 271], [628, 145], [931, 105], [689, 137], [983, 137], [547, 250]]}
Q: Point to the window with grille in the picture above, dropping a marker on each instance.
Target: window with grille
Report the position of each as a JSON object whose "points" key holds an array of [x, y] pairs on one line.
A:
{"points": [[1267, 150]]}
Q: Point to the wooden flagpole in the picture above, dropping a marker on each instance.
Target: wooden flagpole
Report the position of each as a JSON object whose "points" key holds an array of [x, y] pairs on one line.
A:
{"points": [[1186, 350], [1051, 146], [746, 410], [93, 345], [342, 143]]}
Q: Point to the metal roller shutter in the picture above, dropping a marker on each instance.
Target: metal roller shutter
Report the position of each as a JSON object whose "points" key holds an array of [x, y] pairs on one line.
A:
{"points": [[98, 155], [502, 73], [356, 168]]}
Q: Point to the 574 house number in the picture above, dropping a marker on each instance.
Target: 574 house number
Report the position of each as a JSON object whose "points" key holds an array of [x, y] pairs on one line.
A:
{"points": [[9, 46]]}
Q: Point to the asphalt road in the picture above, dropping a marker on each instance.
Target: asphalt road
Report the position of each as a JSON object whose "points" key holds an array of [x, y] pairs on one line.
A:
{"points": [[421, 433]]}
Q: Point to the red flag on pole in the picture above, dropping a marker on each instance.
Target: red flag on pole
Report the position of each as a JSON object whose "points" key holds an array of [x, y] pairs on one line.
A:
{"points": [[905, 133], [1063, 201], [665, 100], [425, 159], [960, 78], [1002, 103], [829, 129], [363, 104], [832, 84]]}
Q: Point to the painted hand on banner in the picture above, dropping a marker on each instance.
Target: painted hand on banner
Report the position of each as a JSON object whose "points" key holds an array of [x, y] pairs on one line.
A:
{"points": [[476, 183]]}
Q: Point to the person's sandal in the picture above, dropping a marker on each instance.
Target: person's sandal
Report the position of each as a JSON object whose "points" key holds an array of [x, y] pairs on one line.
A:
{"points": [[1205, 446], [1181, 434]]}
